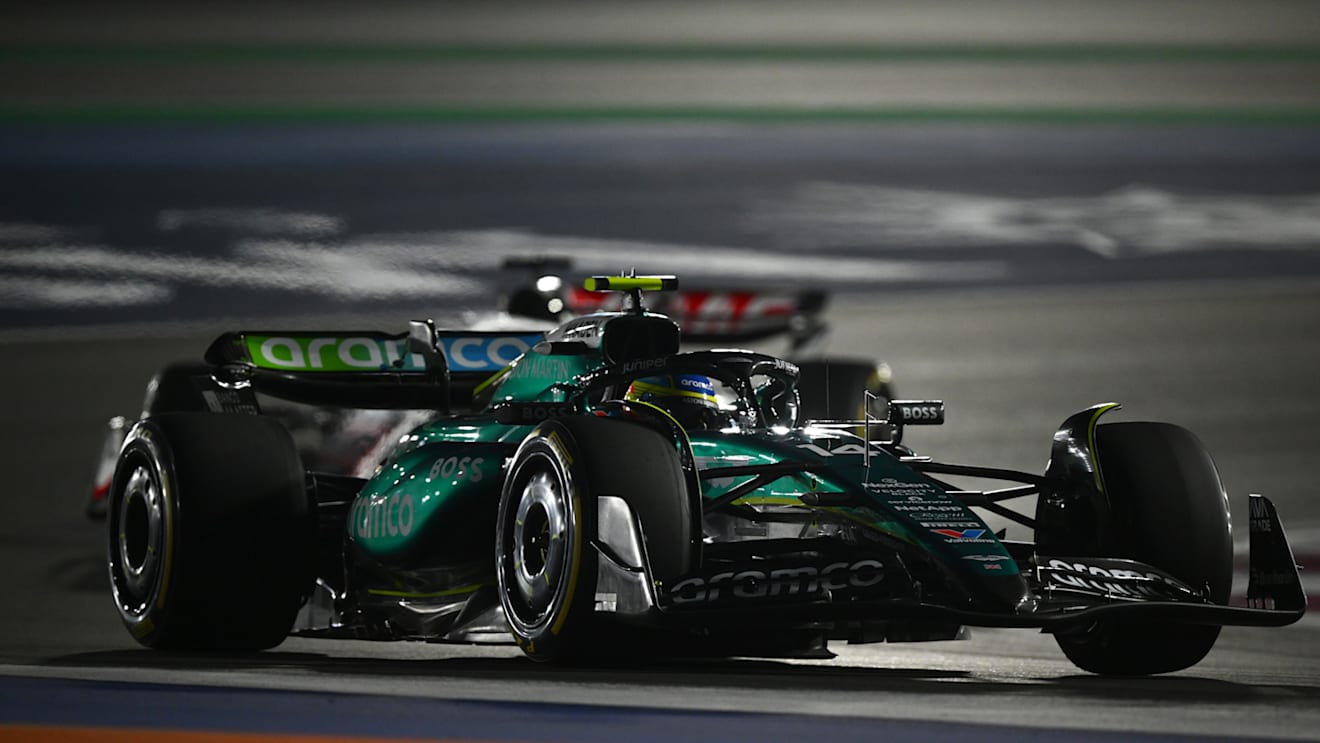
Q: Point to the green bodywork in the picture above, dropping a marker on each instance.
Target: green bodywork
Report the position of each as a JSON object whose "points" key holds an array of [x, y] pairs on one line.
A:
{"points": [[900, 502], [434, 499], [429, 487], [449, 467], [534, 376]]}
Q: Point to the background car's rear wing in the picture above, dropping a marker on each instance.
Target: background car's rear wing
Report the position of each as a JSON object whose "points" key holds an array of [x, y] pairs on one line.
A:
{"points": [[543, 290], [722, 314], [422, 368]]}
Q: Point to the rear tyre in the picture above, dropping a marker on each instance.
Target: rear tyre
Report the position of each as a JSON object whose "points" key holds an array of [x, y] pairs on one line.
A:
{"points": [[1168, 510], [169, 390], [210, 532], [546, 562], [836, 389]]}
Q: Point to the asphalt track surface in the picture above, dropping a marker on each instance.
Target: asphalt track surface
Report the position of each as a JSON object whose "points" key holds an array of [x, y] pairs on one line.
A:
{"points": [[1221, 340]]}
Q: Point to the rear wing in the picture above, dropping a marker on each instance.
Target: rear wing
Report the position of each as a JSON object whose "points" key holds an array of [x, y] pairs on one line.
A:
{"points": [[423, 368], [723, 315], [712, 314]]}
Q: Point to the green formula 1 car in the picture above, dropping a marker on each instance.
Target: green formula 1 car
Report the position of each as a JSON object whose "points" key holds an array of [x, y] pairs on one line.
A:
{"points": [[606, 495]]}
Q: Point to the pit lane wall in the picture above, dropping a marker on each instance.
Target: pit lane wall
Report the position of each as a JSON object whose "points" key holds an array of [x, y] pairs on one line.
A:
{"points": [[1063, 60]]}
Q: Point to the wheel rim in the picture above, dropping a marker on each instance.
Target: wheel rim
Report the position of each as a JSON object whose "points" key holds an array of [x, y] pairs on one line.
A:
{"points": [[538, 546], [139, 536]]}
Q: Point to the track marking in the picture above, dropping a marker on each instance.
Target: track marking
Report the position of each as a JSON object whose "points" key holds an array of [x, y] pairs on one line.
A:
{"points": [[488, 248], [29, 292], [266, 221], [30, 232], [1129, 222], [416, 266], [283, 266]]}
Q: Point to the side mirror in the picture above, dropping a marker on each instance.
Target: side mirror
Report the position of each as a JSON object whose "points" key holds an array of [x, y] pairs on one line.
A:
{"points": [[777, 399], [777, 403]]}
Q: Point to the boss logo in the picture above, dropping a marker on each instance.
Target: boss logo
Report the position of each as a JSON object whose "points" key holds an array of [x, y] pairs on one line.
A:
{"points": [[510, 413], [466, 468], [542, 412], [924, 412]]}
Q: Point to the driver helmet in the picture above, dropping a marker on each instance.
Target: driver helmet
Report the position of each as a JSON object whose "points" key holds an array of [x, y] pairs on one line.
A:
{"points": [[689, 398]]}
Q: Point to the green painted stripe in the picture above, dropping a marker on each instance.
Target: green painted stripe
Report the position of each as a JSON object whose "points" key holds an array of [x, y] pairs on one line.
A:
{"points": [[444, 114], [897, 53]]}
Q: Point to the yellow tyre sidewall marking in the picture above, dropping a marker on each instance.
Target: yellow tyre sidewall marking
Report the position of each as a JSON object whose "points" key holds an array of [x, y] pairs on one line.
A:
{"points": [[576, 504]]}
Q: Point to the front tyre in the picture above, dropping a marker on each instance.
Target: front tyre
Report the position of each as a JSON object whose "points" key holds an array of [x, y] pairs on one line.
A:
{"points": [[210, 532], [546, 565], [1167, 509]]}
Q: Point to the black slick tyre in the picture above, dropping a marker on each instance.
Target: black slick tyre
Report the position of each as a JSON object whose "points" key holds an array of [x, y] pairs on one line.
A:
{"points": [[210, 532], [1168, 510], [170, 390], [546, 526]]}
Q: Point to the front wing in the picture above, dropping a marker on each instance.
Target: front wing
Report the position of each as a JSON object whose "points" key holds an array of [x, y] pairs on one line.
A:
{"points": [[1069, 592]]}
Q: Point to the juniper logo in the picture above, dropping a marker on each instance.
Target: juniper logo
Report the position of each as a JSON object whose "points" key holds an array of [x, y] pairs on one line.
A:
{"points": [[331, 353]]}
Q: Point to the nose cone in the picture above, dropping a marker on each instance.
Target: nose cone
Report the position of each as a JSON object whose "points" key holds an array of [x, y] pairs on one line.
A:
{"points": [[1000, 593]]}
